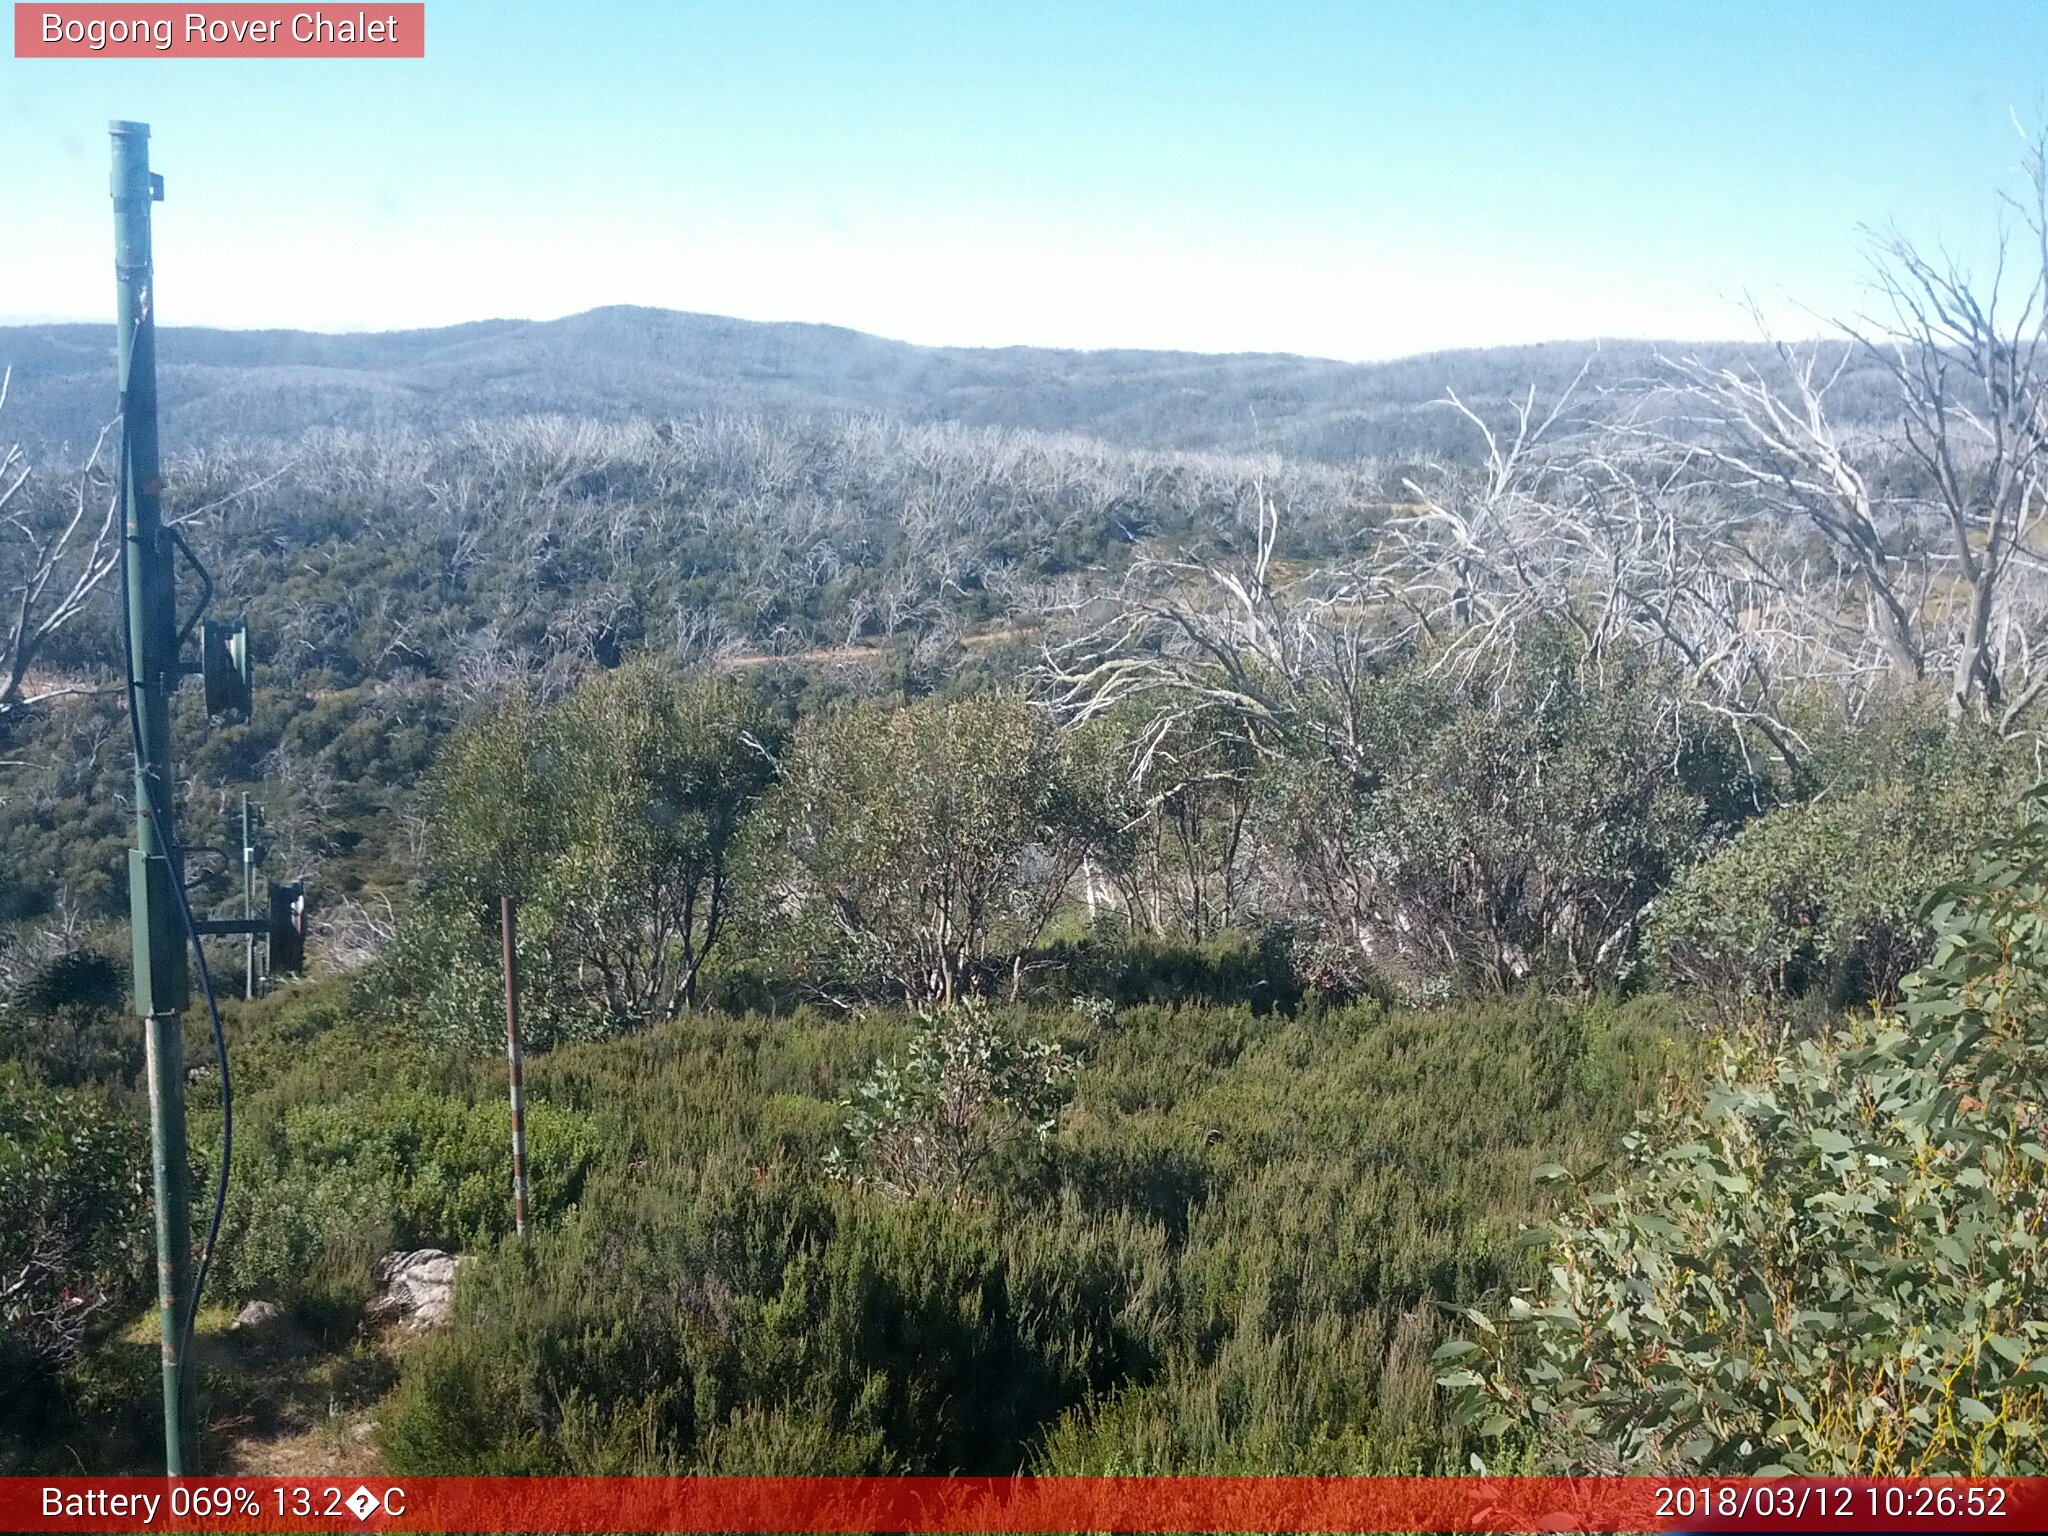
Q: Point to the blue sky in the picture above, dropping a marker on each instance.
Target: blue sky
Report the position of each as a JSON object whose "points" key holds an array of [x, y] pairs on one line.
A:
{"points": [[1359, 180]]}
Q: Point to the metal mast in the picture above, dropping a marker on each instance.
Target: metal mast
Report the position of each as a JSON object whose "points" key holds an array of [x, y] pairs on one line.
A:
{"points": [[161, 982], [248, 904]]}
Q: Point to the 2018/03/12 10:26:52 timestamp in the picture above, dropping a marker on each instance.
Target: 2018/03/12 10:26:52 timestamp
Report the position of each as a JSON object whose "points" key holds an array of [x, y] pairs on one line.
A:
{"points": [[1848, 1503]]}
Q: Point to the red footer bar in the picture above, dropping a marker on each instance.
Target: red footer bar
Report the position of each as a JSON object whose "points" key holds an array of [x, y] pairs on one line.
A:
{"points": [[965, 1504]]}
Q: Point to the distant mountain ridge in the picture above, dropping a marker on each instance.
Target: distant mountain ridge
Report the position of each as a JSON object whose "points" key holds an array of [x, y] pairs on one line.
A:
{"points": [[221, 385]]}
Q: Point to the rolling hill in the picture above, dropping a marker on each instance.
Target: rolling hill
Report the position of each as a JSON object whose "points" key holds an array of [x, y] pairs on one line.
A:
{"points": [[609, 363]]}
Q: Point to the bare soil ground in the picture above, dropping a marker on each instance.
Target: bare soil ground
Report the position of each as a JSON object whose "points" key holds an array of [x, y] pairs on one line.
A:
{"points": [[288, 1399]]}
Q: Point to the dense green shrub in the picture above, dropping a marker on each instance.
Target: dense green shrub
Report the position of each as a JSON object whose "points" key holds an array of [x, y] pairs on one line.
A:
{"points": [[74, 1242], [1174, 801], [919, 847], [1827, 897], [442, 978], [350, 1141], [1832, 1265], [73, 1171], [968, 1091], [74, 1216], [67, 1023], [321, 1189], [611, 818], [73, 978], [1229, 1257], [922, 1334], [1479, 834]]}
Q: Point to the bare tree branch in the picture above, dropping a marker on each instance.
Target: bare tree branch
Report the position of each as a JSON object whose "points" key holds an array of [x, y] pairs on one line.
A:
{"points": [[54, 556]]}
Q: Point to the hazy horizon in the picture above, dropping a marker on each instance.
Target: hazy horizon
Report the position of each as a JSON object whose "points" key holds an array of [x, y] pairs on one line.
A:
{"points": [[14, 322]]}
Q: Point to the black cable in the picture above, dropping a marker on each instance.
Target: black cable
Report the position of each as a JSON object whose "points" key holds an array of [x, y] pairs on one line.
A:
{"points": [[160, 822]]}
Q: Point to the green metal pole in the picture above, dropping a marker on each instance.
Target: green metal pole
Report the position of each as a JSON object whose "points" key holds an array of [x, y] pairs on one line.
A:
{"points": [[160, 969], [248, 904]]}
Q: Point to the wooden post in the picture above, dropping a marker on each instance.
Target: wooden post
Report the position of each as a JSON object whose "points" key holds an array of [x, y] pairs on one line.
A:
{"points": [[505, 922]]}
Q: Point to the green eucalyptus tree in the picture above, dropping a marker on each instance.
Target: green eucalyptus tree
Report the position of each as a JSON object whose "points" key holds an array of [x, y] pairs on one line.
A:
{"points": [[1831, 1264], [612, 816], [654, 780], [922, 844]]}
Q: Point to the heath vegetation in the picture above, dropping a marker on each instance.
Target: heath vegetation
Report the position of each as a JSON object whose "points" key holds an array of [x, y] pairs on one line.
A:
{"points": [[1043, 953]]}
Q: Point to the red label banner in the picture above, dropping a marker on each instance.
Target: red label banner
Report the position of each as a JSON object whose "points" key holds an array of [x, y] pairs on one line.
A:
{"points": [[1050, 1504], [116, 31]]}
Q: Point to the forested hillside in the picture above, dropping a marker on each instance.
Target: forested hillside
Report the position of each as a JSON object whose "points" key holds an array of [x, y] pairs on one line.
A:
{"points": [[1069, 950], [613, 364]]}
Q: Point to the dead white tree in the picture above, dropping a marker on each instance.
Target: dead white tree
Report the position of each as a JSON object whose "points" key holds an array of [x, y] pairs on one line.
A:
{"points": [[352, 933], [53, 559], [1731, 522], [1615, 535], [1769, 443], [1284, 657], [1480, 558], [45, 1301], [1938, 564], [1974, 411]]}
